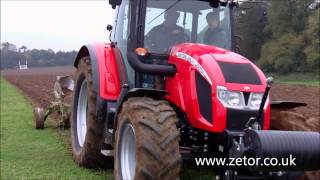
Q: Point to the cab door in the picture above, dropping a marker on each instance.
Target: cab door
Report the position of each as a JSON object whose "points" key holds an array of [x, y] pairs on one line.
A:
{"points": [[121, 38]]}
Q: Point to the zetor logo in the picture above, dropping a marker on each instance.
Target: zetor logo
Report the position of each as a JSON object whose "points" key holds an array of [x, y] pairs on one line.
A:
{"points": [[246, 88]]}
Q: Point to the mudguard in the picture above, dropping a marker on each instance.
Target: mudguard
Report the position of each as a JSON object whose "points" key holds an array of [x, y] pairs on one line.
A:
{"points": [[106, 80]]}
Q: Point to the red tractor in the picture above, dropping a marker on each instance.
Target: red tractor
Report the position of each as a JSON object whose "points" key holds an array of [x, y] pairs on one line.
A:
{"points": [[168, 87]]}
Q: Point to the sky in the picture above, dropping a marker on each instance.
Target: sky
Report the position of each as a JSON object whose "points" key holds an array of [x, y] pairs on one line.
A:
{"points": [[58, 25]]}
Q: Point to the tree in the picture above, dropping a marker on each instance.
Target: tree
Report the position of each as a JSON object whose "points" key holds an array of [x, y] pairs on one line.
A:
{"points": [[287, 16], [312, 38], [9, 59], [6, 46], [36, 58], [23, 48], [283, 55], [294, 42]]}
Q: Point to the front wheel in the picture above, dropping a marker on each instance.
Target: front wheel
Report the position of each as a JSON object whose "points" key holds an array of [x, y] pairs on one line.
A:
{"points": [[147, 141]]}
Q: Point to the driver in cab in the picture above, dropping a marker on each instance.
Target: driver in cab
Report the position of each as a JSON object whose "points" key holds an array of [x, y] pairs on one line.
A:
{"points": [[214, 35], [162, 37]]}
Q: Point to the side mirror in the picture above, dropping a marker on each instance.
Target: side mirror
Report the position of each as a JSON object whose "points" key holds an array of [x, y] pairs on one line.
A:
{"points": [[109, 27], [115, 3]]}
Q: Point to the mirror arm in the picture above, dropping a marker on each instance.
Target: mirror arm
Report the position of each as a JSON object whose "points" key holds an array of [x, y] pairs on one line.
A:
{"points": [[109, 28]]}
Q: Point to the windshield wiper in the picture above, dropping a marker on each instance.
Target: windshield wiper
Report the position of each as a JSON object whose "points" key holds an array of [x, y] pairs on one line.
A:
{"points": [[170, 7]]}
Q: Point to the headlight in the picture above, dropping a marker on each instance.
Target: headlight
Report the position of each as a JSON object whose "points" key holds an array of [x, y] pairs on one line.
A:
{"points": [[235, 100], [255, 100], [230, 99]]}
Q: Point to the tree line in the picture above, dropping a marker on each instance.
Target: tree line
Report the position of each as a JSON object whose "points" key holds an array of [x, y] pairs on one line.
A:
{"points": [[11, 55], [281, 36]]}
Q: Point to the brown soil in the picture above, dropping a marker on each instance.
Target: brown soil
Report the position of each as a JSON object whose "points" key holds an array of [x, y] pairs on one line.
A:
{"points": [[301, 118], [38, 85]]}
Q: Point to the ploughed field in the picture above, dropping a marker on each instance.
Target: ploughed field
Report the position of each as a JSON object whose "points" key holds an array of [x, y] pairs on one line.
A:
{"points": [[38, 84]]}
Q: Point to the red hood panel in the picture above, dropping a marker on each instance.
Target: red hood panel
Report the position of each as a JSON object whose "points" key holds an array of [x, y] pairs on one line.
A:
{"points": [[209, 56]]}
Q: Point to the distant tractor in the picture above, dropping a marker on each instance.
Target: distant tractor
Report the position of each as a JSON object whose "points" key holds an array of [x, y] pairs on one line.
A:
{"points": [[167, 88]]}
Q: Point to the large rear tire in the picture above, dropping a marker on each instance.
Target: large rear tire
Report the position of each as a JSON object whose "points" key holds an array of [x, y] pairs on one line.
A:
{"points": [[86, 130], [147, 141]]}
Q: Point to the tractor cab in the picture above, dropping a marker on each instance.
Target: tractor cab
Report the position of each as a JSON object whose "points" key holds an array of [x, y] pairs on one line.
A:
{"points": [[158, 26], [180, 21], [183, 22]]}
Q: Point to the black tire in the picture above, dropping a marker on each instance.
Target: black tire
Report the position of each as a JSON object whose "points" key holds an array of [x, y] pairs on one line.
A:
{"points": [[157, 153], [38, 114], [89, 154]]}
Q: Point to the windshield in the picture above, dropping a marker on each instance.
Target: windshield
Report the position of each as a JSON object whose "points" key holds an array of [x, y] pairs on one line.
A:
{"points": [[169, 23]]}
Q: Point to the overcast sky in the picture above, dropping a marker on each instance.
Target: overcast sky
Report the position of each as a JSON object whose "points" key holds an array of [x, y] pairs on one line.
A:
{"points": [[59, 25]]}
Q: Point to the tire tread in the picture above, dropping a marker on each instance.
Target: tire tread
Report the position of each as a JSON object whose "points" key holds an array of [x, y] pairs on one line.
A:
{"points": [[157, 138]]}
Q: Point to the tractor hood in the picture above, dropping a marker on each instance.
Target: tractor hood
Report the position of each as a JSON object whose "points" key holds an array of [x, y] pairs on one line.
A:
{"points": [[204, 75], [220, 67]]}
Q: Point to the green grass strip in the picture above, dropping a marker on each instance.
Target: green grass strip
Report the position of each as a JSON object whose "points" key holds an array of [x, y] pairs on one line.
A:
{"points": [[308, 79], [27, 153]]}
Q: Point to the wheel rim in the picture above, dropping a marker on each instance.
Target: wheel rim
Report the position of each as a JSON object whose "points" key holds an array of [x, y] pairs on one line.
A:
{"points": [[128, 152], [82, 113]]}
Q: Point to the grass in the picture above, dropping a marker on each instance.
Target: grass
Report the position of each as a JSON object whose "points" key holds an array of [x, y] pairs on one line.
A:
{"points": [[30, 154], [308, 79], [190, 172], [27, 153]]}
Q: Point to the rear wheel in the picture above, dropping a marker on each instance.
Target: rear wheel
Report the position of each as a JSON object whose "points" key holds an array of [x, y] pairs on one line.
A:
{"points": [[147, 141], [38, 114], [86, 130]]}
